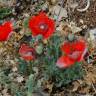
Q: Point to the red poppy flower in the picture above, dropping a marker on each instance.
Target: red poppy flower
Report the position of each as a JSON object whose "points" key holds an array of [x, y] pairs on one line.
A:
{"points": [[26, 52], [74, 52], [42, 25], [5, 31]]}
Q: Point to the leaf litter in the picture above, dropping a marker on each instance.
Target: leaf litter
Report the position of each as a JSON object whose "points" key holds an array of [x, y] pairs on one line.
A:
{"points": [[74, 19]]}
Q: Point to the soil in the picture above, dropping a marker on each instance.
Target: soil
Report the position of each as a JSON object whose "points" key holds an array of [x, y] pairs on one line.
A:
{"points": [[87, 20]]}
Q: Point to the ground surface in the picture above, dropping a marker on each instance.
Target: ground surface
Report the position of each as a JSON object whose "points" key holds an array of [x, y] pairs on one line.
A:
{"points": [[22, 9]]}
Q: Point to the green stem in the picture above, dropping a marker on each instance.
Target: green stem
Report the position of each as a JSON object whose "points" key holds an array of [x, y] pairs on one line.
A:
{"points": [[30, 67]]}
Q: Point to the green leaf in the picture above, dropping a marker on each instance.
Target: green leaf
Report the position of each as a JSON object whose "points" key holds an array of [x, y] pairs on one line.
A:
{"points": [[26, 23], [22, 66], [5, 12], [18, 94], [30, 85]]}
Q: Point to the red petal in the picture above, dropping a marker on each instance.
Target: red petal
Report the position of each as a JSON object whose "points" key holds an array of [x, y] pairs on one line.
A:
{"points": [[28, 57], [66, 48], [5, 31], [76, 55], [51, 28], [26, 52], [79, 45], [42, 14], [64, 62]]}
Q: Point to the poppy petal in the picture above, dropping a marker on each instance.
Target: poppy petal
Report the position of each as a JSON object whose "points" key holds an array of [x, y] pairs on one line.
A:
{"points": [[79, 45], [64, 62], [26, 52], [5, 31], [76, 55], [66, 47]]}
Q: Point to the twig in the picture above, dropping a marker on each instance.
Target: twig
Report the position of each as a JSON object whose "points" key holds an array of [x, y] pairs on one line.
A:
{"points": [[94, 88], [84, 9]]}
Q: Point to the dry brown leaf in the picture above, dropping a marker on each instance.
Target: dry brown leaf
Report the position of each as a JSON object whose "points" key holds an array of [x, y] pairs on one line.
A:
{"points": [[64, 29], [48, 85], [7, 3], [76, 86], [90, 78], [56, 11]]}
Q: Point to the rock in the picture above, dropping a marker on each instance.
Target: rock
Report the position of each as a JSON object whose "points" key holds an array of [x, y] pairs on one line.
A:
{"points": [[92, 37]]}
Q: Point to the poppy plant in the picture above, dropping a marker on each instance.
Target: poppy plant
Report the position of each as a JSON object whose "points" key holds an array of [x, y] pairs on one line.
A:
{"points": [[73, 52], [5, 31], [26, 52], [42, 25]]}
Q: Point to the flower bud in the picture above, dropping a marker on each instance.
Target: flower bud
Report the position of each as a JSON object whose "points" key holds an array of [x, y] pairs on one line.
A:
{"points": [[39, 49]]}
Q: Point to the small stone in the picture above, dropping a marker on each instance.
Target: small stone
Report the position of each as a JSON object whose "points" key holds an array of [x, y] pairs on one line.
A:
{"points": [[14, 69], [81, 21], [45, 41], [26, 15], [20, 79]]}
